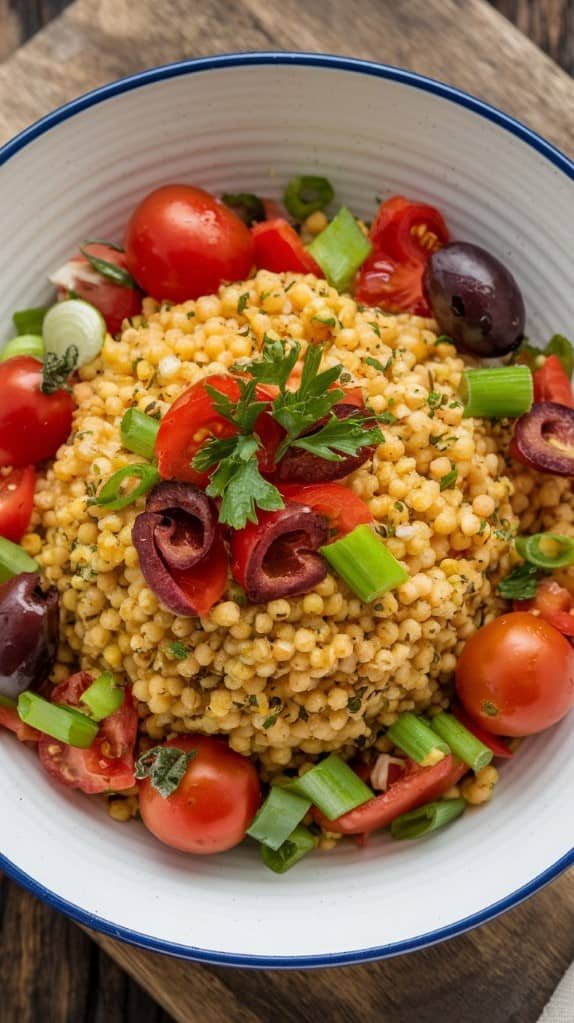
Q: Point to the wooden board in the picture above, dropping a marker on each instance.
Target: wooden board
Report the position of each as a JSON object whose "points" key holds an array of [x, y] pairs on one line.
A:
{"points": [[505, 971]]}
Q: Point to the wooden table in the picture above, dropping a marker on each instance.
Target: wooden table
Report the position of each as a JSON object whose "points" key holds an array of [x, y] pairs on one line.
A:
{"points": [[51, 971]]}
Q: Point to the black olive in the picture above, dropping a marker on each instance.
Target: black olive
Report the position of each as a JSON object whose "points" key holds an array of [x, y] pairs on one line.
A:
{"points": [[28, 633], [475, 299]]}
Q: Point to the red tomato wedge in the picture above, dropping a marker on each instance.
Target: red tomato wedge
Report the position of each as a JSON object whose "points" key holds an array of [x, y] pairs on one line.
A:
{"points": [[116, 302], [192, 420], [205, 583], [279, 248], [551, 383], [498, 747], [9, 719], [554, 603], [416, 786], [32, 424], [341, 506], [16, 502], [109, 763], [383, 282]]}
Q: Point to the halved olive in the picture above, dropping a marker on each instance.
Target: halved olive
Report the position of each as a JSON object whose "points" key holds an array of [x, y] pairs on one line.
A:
{"points": [[29, 633]]}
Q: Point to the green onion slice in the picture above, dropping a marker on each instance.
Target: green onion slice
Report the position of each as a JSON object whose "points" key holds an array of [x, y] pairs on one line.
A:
{"points": [[300, 842], [24, 344], [307, 194], [74, 323], [417, 739], [340, 249], [463, 743], [504, 392], [113, 496], [534, 549], [564, 350], [280, 814], [332, 787], [427, 818], [139, 432], [14, 560], [248, 207], [62, 723], [104, 696], [29, 321], [363, 561]]}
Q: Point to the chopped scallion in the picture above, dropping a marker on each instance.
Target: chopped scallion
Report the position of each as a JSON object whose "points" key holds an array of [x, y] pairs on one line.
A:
{"points": [[104, 696], [463, 743], [114, 497], [29, 321], [24, 344], [333, 787], [280, 814], [300, 842], [504, 392], [139, 432], [546, 550], [74, 323], [363, 561], [62, 723], [307, 194], [340, 249], [427, 818], [417, 739], [14, 560]]}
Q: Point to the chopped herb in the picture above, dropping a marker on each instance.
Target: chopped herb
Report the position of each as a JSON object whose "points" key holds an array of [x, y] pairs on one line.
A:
{"points": [[111, 271], [270, 721], [57, 369], [165, 766], [375, 326], [449, 479], [248, 207], [375, 363], [399, 506], [340, 437], [387, 418], [442, 441], [190, 314], [354, 702], [483, 525], [264, 295], [303, 714], [289, 286], [443, 339], [253, 701], [243, 301], [179, 650], [521, 583], [327, 321]]}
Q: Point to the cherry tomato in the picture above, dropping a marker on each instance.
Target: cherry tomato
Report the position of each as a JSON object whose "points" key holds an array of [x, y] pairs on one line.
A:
{"points": [[16, 502], [498, 747], [279, 248], [515, 676], [116, 302], [214, 803], [192, 419], [109, 762], [551, 383], [181, 242], [205, 583], [408, 231], [33, 425], [554, 603], [414, 787], [341, 506], [403, 234], [9, 719]]}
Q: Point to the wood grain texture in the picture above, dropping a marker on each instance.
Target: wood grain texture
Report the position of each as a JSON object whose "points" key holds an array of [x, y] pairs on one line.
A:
{"points": [[505, 971]]}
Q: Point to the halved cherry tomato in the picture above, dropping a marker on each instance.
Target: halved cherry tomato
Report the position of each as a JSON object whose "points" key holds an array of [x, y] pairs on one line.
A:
{"points": [[279, 248], [339, 504], [416, 786], [382, 281], [498, 747], [515, 676], [551, 383], [32, 424], [181, 242], [116, 302], [408, 231], [109, 763], [16, 502], [214, 803], [554, 603], [9, 719], [205, 583], [192, 420]]}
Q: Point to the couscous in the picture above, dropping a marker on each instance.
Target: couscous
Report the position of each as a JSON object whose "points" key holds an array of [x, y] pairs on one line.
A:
{"points": [[297, 586]]}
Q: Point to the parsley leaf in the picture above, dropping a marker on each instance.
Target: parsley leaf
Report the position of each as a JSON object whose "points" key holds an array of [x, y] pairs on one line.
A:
{"points": [[239, 483], [275, 364], [243, 301], [521, 583], [243, 413], [57, 369], [375, 363], [449, 479], [340, 437], [165, 766]]}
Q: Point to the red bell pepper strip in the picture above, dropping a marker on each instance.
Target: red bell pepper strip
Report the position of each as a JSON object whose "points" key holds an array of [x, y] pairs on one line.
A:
{"points": [[417, 786], [279, 248]]}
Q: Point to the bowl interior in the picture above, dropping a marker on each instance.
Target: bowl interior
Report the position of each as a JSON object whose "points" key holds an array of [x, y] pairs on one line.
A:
{"points": [[249, 126]]}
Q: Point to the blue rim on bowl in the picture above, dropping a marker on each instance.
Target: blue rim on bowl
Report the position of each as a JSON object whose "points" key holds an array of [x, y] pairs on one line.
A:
{"points": [[559, 160]]}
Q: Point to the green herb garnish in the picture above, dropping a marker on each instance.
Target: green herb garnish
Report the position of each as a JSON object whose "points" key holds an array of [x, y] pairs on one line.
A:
{"points": [[521, 583], [165, 766]]}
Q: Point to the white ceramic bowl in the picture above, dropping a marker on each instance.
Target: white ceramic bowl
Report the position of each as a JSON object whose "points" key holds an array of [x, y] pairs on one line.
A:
{"points": [[249, 122]]}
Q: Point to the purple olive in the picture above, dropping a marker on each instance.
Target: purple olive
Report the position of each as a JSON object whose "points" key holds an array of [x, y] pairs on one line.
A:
{"points": [[544, 439], [283, 560], [29, 633], [474, 299]]}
